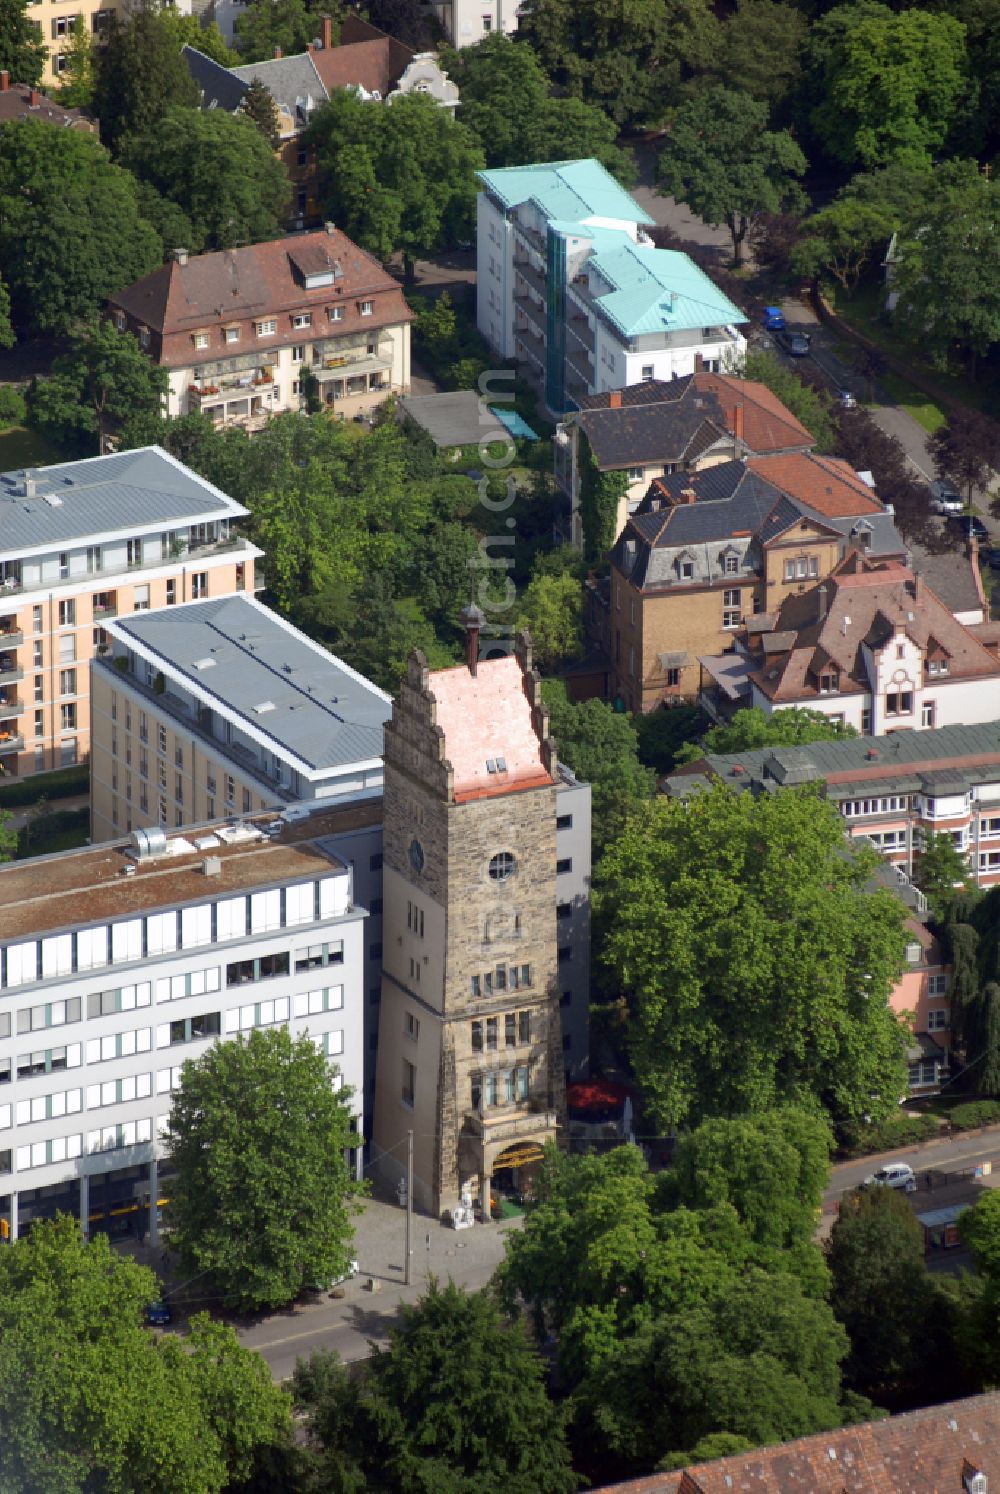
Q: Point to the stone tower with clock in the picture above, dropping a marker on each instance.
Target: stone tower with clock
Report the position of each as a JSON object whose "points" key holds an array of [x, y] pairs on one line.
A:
{"points": [[470, 1043]]}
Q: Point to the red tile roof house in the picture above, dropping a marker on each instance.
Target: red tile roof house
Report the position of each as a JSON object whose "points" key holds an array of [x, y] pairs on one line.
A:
{"points": [[236, 329], [873, 646], [949, 1449]]}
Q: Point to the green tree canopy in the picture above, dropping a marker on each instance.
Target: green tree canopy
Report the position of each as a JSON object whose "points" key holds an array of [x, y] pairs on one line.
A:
{"points": [[262, 1196], [140, 75], [630, 58], [456, 1403], [103, 380], [91, 1399], [722, 160], [60, 194], [753, 728], [289, 25], [942, 872], [219, 170], [756, 966], [188, 31], [841, 239], [893, 85], [506, 105], [761, 48], [22, 52], [76, 84], [947, 273], [670, 1322], [551, 610], [7, 338], [601, 747], [401, 178], [771, 1168]]}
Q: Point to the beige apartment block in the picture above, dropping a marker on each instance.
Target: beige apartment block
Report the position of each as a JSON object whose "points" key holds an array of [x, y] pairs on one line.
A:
{"points": [[55, 20], [470, 1053], [221, 707], [80, 544]]}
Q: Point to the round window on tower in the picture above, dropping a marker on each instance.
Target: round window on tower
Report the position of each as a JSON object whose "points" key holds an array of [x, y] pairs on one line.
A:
{"points": [[503, 866], [416, 856]]}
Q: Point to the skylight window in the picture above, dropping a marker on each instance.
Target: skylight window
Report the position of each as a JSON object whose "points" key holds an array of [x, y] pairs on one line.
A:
{"points": [[204, 664], [263, 707]]}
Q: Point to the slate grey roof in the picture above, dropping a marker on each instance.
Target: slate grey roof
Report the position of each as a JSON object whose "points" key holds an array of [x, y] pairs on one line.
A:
{"points": [[904, 758], [950, 576], [292, 82], [129, 491], [458, 418], [220, 88], [669, 431], [317, 709]]}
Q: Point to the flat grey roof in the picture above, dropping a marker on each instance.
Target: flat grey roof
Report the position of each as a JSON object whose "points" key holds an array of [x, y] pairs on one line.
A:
{"points": [[255, 666], [127, 492], [461, 418]]}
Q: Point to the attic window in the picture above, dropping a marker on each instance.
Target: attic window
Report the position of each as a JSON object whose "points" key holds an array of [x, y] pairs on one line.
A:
{"points": [[231, 334], [200, 339], [501, 765], [937, 666], [685, 569], [120, 321], [316, 279], [731, 564], [366, 308], [829, 682]]}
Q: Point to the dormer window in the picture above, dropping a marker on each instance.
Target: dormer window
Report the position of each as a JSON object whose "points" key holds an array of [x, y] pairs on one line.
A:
{"points": [[120, 321], [231, 334], [302, 319], [336, 313], [201, 340], [829, 682], [731, 563], [366, 308], [685, 569], [268, 327]]}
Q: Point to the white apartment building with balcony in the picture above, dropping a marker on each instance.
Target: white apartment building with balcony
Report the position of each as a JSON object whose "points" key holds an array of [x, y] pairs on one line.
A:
{"points": [[571, 285], [117, 965], [82, 543]]}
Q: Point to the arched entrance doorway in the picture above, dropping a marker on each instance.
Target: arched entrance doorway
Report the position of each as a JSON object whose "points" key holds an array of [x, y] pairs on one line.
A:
{"points": [[514, 1171]]}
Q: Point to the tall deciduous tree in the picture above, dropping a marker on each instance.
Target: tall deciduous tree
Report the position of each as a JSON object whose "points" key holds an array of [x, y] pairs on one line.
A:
{"points": [[285, 26], [7, 338], [761, 48], [601, 747], [71, 232], [552, 612], [262, 1198], [395, 179], [91, 1399], [140, 75], [967, 449], [756, 965], [942, 872], [722, 160], [840, 240], [893, 84], [103, 380], [77, 81], [883, 1296], [630, 58], [507, 106], [456, 1402], [188, 31], [219, 170], [22, 51]]}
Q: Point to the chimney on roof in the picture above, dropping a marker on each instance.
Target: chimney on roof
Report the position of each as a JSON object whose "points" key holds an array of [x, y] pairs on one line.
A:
{"points": [[277, 54], [821, 597], [181, 256], [4, 81], [33, 98], [738, 421], [472, 620], [615, 399], [327, 32], [689, 496], [918, 590], [331, 229]]}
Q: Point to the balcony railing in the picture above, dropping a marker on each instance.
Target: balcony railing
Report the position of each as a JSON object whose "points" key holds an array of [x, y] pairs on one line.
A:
{"points": [[10, 705], [10, 669], [10, 742], [11, 638], [13, 588]]}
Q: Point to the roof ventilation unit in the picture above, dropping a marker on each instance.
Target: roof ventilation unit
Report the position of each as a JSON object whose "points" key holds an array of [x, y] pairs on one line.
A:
{"points": [[149, 843]]}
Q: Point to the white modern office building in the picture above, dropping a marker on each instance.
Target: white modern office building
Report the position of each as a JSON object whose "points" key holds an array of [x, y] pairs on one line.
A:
{"points": [[571, 285], [119, 962]]}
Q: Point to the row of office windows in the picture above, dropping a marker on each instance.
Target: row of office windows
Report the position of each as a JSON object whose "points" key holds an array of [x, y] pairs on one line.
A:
{"points": [[163, 933]]}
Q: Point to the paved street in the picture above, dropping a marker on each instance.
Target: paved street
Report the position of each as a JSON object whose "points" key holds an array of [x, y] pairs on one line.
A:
{"points": [[348, 1324], [950, 1154]]}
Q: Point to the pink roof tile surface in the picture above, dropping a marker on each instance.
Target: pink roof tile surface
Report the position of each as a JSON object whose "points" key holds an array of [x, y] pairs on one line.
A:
{"points": [[484, 717]]}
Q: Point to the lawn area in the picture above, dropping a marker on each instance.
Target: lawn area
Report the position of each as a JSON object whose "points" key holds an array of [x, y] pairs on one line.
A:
{"points": [[20, 447], [902, 393], [863, 310]]}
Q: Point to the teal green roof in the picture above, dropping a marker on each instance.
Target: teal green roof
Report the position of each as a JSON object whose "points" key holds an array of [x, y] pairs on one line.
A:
{"points": [[658, 290], [568, 190]]}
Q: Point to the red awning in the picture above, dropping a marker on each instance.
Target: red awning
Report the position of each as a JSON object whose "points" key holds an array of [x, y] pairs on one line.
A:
{"points": [[597, 1094]]}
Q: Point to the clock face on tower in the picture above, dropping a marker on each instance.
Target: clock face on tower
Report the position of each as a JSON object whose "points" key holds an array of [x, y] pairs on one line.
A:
{"points": [[416, 856]]}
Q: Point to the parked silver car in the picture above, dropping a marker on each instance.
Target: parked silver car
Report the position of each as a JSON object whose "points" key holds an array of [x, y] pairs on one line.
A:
{"points": [[894, 1175], [945, 497]]}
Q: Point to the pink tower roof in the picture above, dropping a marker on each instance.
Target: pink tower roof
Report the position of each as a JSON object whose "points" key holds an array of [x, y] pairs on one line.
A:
{"points": [[486, 718]]}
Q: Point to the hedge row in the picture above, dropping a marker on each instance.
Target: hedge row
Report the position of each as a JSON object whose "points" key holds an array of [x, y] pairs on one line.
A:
{"points": [[884, 1136]]}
